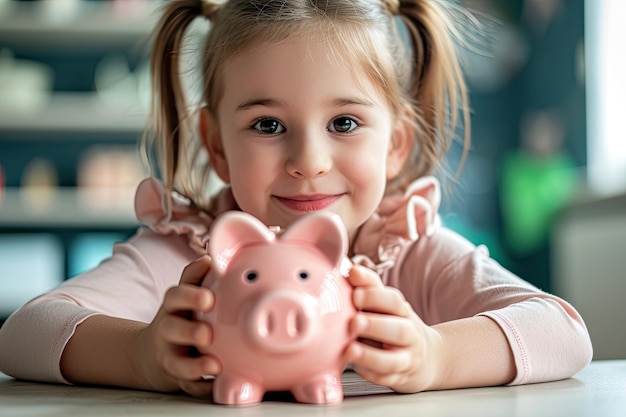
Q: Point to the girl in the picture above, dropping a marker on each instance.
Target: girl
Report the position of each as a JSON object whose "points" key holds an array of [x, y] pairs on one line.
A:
{"points": [[308, 105]]}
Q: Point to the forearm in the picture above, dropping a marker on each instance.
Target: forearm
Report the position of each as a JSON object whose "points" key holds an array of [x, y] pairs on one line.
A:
{"points": [[102, 351], [475, 353]]}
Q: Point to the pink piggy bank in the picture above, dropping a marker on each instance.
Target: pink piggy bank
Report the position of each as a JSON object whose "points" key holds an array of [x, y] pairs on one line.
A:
{"points": [[282, 308]]}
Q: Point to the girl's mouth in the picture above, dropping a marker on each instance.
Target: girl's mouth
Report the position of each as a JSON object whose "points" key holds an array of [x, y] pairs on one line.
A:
{"points": [[309, 203]]}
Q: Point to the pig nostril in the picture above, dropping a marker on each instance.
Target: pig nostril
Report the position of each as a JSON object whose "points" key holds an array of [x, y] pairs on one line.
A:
{"points": [[292, 323], [300, 323], [296, 323], [271, 323], [266, 325]]}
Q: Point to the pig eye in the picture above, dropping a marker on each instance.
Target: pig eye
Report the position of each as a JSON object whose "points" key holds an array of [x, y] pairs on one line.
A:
{"points": [[304, 275], [252, 276]]}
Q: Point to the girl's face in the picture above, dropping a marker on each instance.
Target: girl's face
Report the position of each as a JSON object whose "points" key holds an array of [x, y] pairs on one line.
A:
{"points": [[295, 132]]}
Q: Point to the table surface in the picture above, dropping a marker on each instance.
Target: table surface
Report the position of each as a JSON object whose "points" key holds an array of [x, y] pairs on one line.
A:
{"points": [[599, 391]]}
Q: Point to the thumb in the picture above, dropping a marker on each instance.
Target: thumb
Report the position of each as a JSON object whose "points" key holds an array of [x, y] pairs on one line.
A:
{"points": [[362, 276], [195, 272]]}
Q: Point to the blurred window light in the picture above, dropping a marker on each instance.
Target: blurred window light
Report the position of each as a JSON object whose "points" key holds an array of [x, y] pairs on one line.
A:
{"points": [[605, 34], [88, 250], [30, 264]]}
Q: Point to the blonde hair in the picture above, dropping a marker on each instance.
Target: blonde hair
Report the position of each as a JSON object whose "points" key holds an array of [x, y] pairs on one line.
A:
{"points": [[423, 74]]}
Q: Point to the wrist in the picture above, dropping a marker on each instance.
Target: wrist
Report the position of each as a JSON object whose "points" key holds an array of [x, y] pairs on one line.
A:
{"points": [[473, 353], [147, 372], [102, 352], [438, 365]]}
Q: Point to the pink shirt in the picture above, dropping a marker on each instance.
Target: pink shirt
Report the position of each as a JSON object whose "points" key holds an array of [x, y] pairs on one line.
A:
{"points": [[441, 274]]}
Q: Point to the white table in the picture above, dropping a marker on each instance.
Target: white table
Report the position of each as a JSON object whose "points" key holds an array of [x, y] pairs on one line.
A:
{"points": [[597, 391]]}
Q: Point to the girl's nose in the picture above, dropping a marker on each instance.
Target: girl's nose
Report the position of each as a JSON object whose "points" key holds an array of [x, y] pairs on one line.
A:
{"points": [[309, 157]]}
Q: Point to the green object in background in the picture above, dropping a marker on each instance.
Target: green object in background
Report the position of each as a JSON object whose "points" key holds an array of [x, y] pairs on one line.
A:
{"points": [[533, 190]]}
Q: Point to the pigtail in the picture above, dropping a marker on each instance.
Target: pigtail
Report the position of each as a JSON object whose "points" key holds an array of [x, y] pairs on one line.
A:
{"points": [[437, 88], [169, 106]]}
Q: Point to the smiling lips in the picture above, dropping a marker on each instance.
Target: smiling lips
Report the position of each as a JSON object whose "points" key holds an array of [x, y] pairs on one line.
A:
{"points": [[309, 203]]}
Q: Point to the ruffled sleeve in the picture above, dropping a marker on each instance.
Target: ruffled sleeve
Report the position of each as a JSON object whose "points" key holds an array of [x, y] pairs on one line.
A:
{"points": [[171, 213], [399, 218]]}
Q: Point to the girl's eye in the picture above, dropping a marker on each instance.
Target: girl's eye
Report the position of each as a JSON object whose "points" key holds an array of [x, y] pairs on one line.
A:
{"points": [[269, 127], [342, 125]]}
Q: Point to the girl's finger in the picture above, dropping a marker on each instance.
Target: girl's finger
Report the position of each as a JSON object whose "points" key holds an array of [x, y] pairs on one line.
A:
{"points": [[202, 389], [195, 272], [366, 358], [361, 276], [385, 300], [386, 380], [190, 368], [389, 330], [183, 332], [188, 298]]}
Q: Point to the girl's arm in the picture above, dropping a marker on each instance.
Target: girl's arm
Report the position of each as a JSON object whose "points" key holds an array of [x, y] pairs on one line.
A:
{"points": [[467, 322], [94, 328], [119, 352], [475, 353], [101, 353]]}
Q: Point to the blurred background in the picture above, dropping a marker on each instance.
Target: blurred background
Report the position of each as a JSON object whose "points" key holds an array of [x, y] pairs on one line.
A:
{"points": [[543, 186]]}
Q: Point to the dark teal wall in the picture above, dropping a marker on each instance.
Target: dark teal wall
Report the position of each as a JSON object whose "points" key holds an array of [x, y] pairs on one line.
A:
{"points": [[550, 78]]}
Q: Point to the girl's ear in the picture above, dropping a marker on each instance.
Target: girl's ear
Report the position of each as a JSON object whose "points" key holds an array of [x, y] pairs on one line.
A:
{"points": [[212, 140], [401, 144]]}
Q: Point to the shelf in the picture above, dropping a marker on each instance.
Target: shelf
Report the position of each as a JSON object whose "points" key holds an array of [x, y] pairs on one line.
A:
{"points": [[75, 112], [65, 208], [29, 24]]}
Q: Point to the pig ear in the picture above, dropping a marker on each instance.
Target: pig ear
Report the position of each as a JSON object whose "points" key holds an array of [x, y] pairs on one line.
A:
{"points": [[230, 232], [323, 230]]}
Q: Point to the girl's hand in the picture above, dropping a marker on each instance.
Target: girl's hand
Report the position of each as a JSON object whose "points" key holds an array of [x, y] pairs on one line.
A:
{"points": [[395, 348], [174, 337]]}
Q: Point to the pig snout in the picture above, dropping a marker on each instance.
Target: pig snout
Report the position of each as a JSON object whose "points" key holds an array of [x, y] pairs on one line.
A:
{"points": [[284, 321]]}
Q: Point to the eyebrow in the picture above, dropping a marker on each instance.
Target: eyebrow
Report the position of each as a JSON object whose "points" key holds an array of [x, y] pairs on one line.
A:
{"points": [[257, 102], [350, 101], [336, 102]]}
